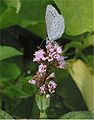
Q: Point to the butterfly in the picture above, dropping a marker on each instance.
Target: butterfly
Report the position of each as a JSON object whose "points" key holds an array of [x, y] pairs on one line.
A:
{"points": [[55, 23]]}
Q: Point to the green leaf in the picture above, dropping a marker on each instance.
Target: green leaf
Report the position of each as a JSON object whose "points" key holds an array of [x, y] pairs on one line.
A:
{"points": [[13, 3], [83, 78], [24, 87], [88, 59], [39, 29], [24, 108], [35, 111], [42, 102], [32, 18], [77, 14], [73, 44], [9, 18], [78, 115], [8, 71], [21, 89], [28, 16], [4, 115], [66, 88], [7, 52], [2, 7], [43, 115], [57, 107], [29, 9], [88, 41]]}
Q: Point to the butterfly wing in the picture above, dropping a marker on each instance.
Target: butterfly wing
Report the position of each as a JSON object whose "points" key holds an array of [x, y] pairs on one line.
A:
{"points": [[51, 14], [54, 22], [57, 28]]}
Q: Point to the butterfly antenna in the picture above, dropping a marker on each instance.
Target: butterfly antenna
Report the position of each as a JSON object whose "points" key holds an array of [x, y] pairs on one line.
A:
{"points": [[42, 43]]}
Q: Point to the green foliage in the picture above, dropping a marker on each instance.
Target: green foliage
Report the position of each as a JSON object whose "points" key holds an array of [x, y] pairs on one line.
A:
{"points": [[83, 77], [88, 59], [75, 84], [8, 17], [42, 102], [4, 115], [69, 92], [8, 71], [78, 115], [13, 3], [24, 107], [7, 52], [77, 15], [25, 15]]}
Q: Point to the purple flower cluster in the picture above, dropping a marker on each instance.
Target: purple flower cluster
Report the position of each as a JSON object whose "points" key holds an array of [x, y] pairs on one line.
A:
{"points": [[48, 59]]}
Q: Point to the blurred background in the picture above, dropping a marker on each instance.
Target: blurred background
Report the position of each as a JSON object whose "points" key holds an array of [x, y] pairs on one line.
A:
{"points": [[22, 30]]}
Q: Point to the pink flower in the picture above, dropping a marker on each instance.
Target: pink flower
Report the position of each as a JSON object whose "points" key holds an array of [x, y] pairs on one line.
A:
{"points": [[57, 57], [51, 50], [43, 89], [54, 52], [42, 69], [61, 64], [50, 58], [59, 49], [32, 82], [52, 86], [39, 55], [48, 45]]}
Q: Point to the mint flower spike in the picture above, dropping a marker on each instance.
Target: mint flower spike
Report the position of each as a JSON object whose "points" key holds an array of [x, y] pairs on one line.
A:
{"points": [[42, 69], [39, 56], [52, 86], [48, 59], [43, 89]]}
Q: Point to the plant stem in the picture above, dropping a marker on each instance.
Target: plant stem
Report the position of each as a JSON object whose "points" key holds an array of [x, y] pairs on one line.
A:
{"points": [[43, 103], [43, 114]]}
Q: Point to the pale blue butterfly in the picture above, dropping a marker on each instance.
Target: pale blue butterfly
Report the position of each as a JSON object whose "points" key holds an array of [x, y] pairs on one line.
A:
{"points": [[55, 23]]}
